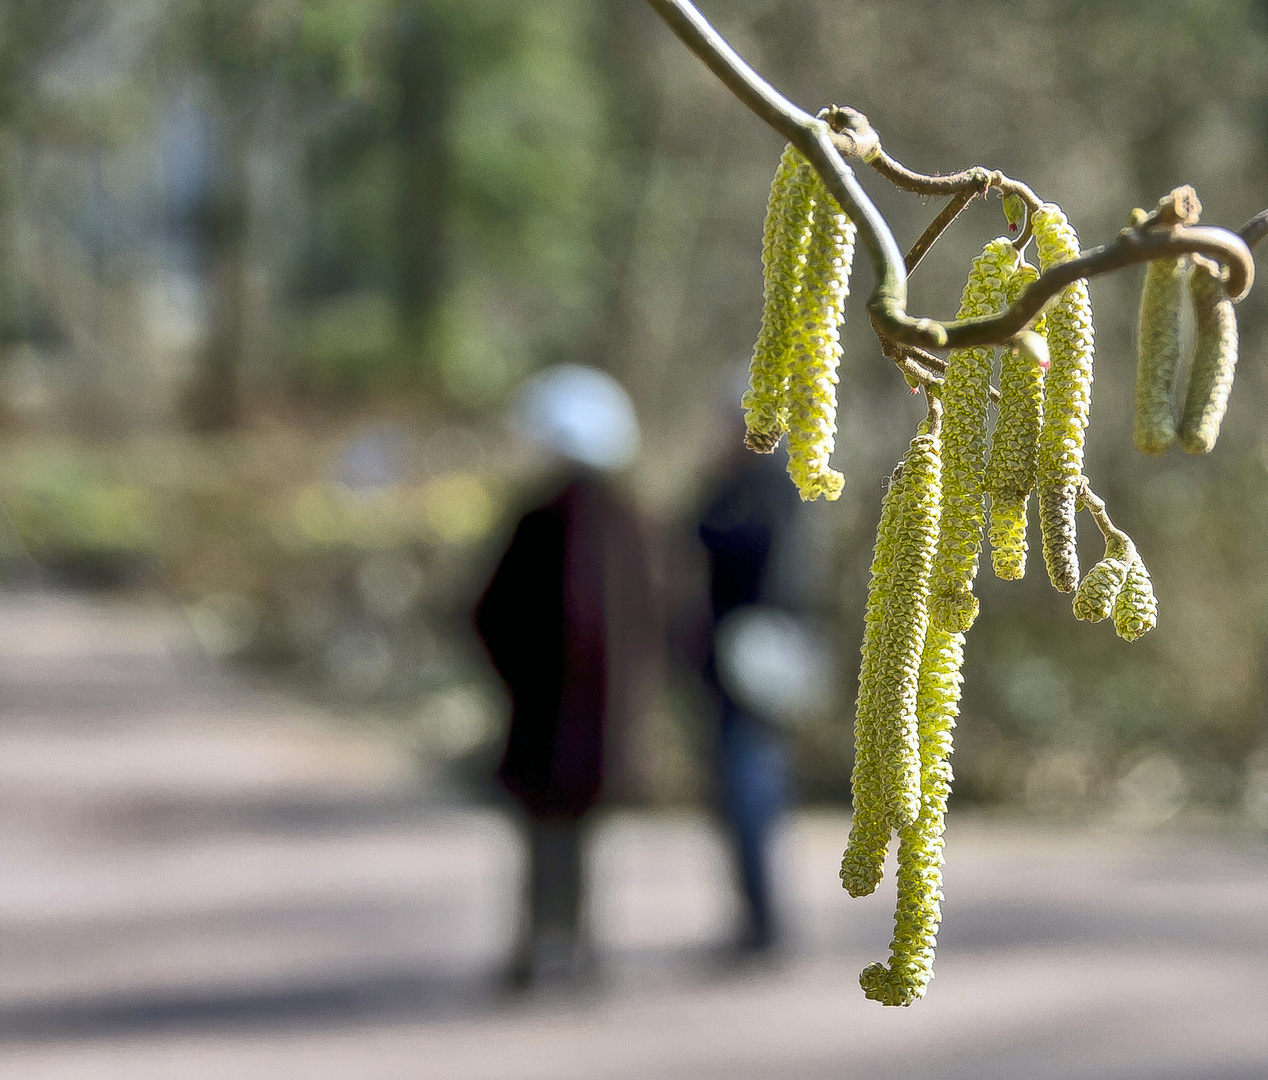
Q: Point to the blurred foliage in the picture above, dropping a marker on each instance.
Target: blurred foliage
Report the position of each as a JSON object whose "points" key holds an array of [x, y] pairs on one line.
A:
{"points": [[338, 558], [68, 510], [511, 167], [436, 196]]}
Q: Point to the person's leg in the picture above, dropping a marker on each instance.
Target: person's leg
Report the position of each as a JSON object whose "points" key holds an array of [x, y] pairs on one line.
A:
{"points": [[556, 875], [754, 788], [553, 947], [751, 844]]}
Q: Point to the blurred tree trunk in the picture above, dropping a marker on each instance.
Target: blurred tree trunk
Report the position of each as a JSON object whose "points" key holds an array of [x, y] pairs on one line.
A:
{"points": [[214, 401], [423, 81]]}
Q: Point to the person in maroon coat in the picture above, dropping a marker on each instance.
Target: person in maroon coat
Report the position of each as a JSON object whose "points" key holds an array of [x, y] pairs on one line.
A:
{"points": [[563, 620]]}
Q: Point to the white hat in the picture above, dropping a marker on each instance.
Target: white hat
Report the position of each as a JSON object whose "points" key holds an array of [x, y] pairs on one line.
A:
{"points": [[579, 412]]}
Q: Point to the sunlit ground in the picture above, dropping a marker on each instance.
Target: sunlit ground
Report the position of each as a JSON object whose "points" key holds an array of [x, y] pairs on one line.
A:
{"points": [[199, 879]]}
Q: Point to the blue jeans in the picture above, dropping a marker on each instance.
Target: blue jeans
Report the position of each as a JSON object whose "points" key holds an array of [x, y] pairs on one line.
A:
{"points": [[754, 788]]}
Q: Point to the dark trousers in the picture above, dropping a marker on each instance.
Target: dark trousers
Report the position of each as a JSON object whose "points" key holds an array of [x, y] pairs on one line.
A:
{"points": [[554, 891], [754, 775], [553, 948]]}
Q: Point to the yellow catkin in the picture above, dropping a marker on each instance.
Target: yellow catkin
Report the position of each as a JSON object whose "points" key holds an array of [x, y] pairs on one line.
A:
{"points": [[1158, 355], [892, 683], [918, 912], [1067, 401], [952, 605], [1135, 611], [1214, 360], [1010, 471], [864, 859], [784, 241], [815, 353]]}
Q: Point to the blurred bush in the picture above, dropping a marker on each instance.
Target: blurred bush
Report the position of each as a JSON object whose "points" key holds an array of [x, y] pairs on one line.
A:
{"points": [[338, 560], [69, 513]]}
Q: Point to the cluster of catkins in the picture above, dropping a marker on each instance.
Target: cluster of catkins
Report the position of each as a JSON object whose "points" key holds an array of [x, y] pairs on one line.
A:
{"points": [[1161, 417], [807, 255], [920, 598]]}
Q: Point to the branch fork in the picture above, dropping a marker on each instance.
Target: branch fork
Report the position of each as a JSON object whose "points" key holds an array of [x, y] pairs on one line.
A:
{"points": [[839, 132]]}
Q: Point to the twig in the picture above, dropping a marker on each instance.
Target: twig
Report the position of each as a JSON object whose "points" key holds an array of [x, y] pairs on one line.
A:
{"points": [[1096, 507], [1255, 229], [887, 304], [925, 374], [1130, 248], [938, 226], [852, 132], [924, 367], [814, 138], [900, 176], [968, 180], [855, 137]]}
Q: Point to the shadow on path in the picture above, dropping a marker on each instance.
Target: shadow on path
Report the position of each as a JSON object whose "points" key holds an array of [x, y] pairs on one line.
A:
{"points": [[380, 997]]}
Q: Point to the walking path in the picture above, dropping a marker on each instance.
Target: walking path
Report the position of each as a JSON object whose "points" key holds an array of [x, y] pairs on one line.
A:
{"points": [[200, 880]]}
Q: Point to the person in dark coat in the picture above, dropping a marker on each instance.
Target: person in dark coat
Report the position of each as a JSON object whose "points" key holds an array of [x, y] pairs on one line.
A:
{"points": [[562, 619]]}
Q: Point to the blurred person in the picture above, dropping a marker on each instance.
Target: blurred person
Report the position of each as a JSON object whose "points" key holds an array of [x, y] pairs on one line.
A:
{"points": [[759, 662], [564, 620]]}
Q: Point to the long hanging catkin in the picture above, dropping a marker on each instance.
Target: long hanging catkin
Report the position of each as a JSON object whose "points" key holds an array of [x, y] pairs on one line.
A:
{"points": [[1214, 360], [903, 631], [1067, 401], [1158, 355], [811, 392], [918, 912], [784, 241], [886, 731], [864, 859], [952, 605], [1010, 471]]}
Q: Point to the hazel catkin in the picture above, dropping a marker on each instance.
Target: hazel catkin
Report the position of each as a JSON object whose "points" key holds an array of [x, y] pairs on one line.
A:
{"points": [[864, 858], [1095, 596], [918, 912], [1158, 355], [815, 348], [1067, 401], [1010, 471], [1214, 360], [952, 605], [888, 678], [785, 238], [1135, 610]]}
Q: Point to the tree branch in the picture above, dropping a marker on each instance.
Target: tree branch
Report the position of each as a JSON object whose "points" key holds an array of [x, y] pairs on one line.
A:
{"points": [[817, 140], [1130, 248], [814, 138]]}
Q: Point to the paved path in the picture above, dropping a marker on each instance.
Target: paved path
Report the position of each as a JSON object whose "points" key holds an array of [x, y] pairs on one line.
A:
{"points": [[201, 880]]}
